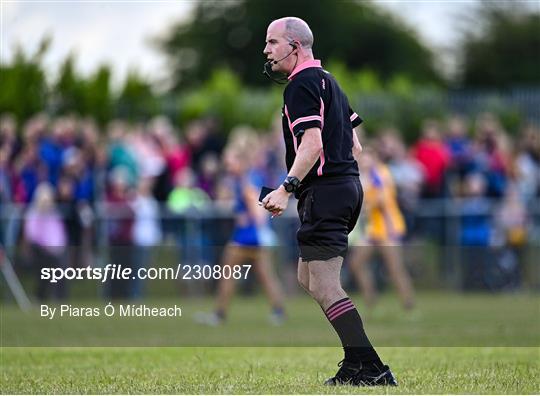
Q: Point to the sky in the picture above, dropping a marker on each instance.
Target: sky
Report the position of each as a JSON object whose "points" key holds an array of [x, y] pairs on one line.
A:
{"points": [[119, 32]]}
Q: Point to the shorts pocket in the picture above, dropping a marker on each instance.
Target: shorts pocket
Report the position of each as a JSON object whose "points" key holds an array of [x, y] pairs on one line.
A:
{"points": [[307, 212]]}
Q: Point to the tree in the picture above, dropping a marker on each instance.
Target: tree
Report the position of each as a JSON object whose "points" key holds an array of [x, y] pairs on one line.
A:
{"points": [[97, 95], [136, 100], [69, 89], [231, 35], [24, 88], [83, 96], [502, 48]]}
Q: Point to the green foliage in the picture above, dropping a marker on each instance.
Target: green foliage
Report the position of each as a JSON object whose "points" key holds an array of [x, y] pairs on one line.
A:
{"points": [[75, 94], [509, 114], [506, 50], [69, 90], [232, 34], [397, 102], [24, 89], [98, 100], [136, 100], [223, 96], [364, 81], [381, 65]]}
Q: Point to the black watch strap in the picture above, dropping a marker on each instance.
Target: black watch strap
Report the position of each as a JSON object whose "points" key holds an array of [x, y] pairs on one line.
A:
{"points": [[291, 184]]}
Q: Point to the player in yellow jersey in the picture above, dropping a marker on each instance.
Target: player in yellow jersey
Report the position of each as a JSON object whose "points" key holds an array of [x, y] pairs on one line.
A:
{"points": [[382, 229]]}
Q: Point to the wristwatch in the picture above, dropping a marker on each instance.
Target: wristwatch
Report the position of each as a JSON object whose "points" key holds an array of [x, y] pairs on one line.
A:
{"points": [[291, 184]]}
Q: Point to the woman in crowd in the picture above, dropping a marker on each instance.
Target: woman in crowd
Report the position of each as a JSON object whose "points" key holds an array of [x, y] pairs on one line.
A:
{"points": [[384, 230], [45, 233]]}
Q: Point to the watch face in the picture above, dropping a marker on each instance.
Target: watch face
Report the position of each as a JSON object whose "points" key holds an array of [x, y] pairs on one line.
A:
{"points": [[289, 187]]}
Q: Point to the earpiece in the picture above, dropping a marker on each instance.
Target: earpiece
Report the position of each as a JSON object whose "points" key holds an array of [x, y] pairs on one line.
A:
{"points": [[292, 44]]}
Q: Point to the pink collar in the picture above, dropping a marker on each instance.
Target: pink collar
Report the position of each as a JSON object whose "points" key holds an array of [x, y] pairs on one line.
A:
{"points": [[305, 65]]}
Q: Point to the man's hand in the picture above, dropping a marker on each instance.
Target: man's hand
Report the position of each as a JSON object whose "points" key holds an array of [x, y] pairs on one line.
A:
{"points": [[276, 202]]}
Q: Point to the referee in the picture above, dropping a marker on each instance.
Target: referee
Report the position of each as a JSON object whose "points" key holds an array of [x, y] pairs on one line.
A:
{"points": [[322, 151]]}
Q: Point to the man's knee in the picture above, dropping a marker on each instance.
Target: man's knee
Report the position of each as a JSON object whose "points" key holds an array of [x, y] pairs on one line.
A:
{"points": [[314, 291], [323, 294], [326, 299], [326, 289], [304, 282]]}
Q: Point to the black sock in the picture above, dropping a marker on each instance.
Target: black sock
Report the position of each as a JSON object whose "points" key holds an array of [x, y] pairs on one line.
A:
{"points": [[348, 325]]}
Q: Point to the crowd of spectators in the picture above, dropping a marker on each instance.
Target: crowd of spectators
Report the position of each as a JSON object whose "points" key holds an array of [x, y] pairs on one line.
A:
{"points": [[491, 182], [57, 176]]}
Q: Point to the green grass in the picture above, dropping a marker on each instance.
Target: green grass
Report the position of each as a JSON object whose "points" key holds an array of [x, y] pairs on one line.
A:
{"points": [[451, 343], [441, 319], [261, 370]]}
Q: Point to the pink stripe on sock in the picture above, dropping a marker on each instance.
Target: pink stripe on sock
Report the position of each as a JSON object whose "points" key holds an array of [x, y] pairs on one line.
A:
{"points": [[341, 308], [335, 315], [337, 306]]}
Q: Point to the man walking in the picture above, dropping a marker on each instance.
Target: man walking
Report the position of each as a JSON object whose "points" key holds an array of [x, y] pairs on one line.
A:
{"points": [[322, 151]]}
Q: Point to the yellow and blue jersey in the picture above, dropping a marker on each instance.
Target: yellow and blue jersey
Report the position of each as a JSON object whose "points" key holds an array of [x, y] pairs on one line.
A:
{"points": [[384, 221]]}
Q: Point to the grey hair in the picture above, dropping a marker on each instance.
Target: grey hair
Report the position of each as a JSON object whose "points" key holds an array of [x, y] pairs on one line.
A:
{"points": [[297, 29]]}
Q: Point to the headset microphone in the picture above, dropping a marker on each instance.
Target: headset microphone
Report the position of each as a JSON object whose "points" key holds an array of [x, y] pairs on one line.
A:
{"points": [[267, 68]]}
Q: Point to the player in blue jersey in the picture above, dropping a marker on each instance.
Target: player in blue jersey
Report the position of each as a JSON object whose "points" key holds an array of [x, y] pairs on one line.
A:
{"points": [[252, 235]]}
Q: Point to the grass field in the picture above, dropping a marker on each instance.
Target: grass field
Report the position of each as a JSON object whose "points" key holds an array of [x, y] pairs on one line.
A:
{"points": [[440, 319], [261, 370], [464, 344]]}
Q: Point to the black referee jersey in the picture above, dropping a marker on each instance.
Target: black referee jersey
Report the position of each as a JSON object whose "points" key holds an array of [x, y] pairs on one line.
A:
{"points": [[313, 99]]}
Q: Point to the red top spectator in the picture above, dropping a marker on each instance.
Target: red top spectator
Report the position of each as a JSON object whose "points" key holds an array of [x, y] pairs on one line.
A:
{"points": [[434, 157]]}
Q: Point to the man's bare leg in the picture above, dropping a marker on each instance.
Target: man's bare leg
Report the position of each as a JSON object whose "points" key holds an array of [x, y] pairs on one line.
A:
{"points": [[324, 281], [325, 288]]}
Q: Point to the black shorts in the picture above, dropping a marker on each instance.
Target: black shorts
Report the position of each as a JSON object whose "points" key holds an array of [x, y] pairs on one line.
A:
{"points": [[328, 209]]}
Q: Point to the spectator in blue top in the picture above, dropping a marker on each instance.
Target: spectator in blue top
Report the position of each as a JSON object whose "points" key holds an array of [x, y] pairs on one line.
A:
{"points": [[475, 235]]}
